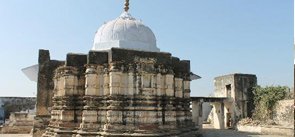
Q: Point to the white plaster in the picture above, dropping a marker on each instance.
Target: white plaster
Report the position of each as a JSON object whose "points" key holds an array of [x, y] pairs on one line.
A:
{"points": [[125, 32]]}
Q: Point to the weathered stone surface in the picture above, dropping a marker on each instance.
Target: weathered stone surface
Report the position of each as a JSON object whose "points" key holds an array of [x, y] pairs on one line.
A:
{"points": [[18, 123], [45, 82], [45, 93], [284, 113], [237, 88], [121, 93], [98, 58], [76, 60]]}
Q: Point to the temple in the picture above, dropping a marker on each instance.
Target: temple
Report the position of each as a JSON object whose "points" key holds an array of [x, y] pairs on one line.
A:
{"points": [[124, 86]]}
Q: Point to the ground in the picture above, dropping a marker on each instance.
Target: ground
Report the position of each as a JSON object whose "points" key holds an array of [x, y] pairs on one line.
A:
{"points": [[15, 135], [231, 133], [208, 131]]}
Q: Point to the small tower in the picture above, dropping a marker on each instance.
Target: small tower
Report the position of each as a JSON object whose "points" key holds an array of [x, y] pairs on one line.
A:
{"points": [[240, 104]]}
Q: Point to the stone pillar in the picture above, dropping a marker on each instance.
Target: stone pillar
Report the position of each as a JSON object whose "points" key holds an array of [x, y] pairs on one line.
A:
{"points": [[197, 111], [43, 102], [169, 82], [124, 83], [106, 84], [92, 82], [178, 87], [218, 116], [170, 113], [44, 81], [130, 86], [186, 102], [187, 90], [115, 115], [159, 84], [66, 103], [115, 81], [70, 85], [222, 123], [179, 104], [101, 102], [90, 121]]}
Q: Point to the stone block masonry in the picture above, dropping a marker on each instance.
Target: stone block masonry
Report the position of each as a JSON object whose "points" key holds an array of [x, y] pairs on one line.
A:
{"points": [[118, 92], [45, 93]]}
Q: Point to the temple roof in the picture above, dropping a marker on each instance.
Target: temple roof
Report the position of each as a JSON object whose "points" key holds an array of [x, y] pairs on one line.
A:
{"points": [[125, 32]]}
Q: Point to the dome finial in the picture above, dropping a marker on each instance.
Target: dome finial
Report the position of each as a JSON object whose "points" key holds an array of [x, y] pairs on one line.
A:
{"points": [[126, 8]]}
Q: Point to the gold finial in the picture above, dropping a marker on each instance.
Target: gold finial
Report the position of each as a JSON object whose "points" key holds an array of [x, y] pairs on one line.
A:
{"points": [[126, 8]]}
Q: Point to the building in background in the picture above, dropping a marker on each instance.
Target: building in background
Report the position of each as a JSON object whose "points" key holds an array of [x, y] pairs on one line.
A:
{"points": [[237, 88], [2, 116]]}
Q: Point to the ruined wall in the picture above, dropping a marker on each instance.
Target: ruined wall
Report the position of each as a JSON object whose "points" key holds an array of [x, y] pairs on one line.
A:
{"points": [[220, 86], [45, 88], [244, 84], [45, 82], [121, 92], [238, 89], [284, 113], [19, 123]]}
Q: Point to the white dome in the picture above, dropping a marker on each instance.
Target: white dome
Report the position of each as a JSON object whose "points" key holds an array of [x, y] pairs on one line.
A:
{"points": [[125, 32]]}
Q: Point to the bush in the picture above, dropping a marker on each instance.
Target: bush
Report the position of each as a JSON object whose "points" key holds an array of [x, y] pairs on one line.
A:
{"points": [[265, 99]]}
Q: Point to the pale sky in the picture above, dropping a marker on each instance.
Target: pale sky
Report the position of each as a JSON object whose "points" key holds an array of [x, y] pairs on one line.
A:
{"points": [[218, 36]]}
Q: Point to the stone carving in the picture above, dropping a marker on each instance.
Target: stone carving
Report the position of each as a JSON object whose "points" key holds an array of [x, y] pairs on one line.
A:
{"points": [[126, 93]]}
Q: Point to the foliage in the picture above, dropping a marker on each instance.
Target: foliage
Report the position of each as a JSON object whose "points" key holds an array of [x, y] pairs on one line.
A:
{"points": [[17, 107], [290, 94], [265, 99]]}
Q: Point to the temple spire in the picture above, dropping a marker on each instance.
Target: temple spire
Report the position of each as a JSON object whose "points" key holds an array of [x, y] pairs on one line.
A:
{"points": [[126, 8]]}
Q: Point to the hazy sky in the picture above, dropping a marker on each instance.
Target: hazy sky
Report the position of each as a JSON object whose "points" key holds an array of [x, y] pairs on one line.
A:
{"points": [[218, 36]]}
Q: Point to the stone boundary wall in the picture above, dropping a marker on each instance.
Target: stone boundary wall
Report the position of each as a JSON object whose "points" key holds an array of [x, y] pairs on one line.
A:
{"points": [[18, 123], [267, 130], [284, 113], [16, 130], [16, 104]]}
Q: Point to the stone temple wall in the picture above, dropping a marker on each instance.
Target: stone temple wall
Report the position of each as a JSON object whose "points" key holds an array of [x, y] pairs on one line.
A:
{"points": [[121, 93], [45, 88]]}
